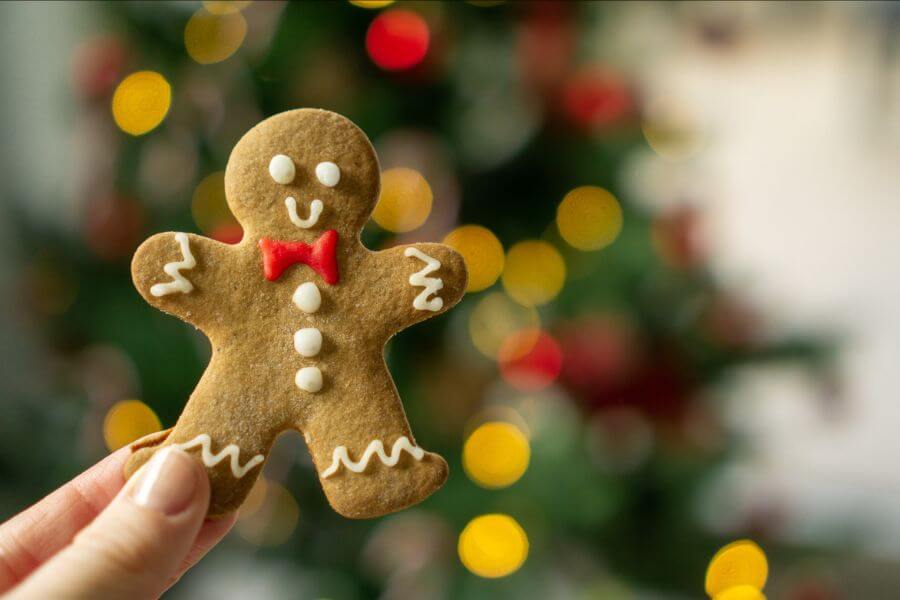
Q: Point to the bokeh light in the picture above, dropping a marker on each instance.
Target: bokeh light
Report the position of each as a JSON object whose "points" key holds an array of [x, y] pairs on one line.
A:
{"points": [[212, 37], [589, 218], [672, 130], [225, 7], [405, 200], [595, 98], [741, 592], [397, 40], [495, 318], [273, 519], [740, 563], [530, 360], [209, 208], [493, 545], [127, 421], [372, 4], [482, 252], [534, 272], [141, 102], [496, 454]]}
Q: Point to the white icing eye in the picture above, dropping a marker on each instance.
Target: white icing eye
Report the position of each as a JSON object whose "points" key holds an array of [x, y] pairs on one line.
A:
{"points": [[281, 168], [328, 174]]}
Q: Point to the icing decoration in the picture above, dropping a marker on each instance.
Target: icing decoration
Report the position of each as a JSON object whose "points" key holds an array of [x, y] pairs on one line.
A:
{"points": [[308, 341], [307, 297], [375, 447], [281, 168], [173, 270], [210, 460], [309, 379], [328, 174], [320, 256], [431, 284], [315, 209]]}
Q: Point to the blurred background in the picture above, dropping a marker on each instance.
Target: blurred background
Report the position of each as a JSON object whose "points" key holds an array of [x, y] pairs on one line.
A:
{"points": [[682, 226]]}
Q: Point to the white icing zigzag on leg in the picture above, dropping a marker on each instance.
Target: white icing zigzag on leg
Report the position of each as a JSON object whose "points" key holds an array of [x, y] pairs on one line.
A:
{"points": [[210, 460], [173, 270], [431, 284], [375, 447]]}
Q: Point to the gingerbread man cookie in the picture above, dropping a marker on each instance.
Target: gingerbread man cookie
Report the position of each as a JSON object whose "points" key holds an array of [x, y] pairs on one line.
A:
{"points": [[298, 314]]}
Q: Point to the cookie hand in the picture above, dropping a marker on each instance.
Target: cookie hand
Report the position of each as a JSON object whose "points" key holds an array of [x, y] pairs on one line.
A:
{"points": [[180, 272], [421, 281]]}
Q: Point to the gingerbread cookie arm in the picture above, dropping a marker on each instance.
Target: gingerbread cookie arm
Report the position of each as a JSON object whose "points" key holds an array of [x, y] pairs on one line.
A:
{"points": [[185, 275], [418, 281]]}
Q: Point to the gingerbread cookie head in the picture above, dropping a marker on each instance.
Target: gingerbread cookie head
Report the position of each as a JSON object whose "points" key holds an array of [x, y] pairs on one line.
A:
{"points": [[302, 170], [298, 314]]}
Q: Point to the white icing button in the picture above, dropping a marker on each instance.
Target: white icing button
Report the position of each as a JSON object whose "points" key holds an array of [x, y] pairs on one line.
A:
{"points": [[328, 173], [309, 379], [307, 297], [281, 168], [308, 341]]}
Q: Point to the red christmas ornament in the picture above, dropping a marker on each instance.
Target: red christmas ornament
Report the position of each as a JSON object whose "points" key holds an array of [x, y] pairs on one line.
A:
{"points": [[676, 237], [397, 40], [530, 360]]}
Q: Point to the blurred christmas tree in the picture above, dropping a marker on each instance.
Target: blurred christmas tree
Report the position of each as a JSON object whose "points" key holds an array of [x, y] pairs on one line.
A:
{"points": [[582, 372]]}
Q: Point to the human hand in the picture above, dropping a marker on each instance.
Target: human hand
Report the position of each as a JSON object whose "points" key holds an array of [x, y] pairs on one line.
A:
{"points": [[100, 537]]}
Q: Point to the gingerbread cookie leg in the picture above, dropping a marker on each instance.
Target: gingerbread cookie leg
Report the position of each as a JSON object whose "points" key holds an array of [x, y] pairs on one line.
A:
{"points": [[231, 442], [368, 461]]}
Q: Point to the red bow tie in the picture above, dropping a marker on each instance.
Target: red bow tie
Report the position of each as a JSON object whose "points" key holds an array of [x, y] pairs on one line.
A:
{"points": [[320, 256]]}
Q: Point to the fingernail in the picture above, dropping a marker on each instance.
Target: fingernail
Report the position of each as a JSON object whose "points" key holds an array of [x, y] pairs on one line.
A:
{"points": [[168, 483]]}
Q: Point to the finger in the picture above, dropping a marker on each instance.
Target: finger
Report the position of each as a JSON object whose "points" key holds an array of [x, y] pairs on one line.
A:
{"points": [[210, 534], [135, 546], [34, 535]]}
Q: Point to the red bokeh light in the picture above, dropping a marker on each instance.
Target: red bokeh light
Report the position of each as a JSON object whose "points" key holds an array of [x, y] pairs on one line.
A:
{"points": [[530, 360], [397, 40], [227, 233], [596, 98]]}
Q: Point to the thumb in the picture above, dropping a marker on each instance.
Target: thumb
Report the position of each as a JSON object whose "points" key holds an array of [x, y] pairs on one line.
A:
{"points": [[133, 548]]}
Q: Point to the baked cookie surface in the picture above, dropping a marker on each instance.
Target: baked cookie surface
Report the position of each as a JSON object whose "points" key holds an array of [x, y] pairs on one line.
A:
{"points": [[298, 314]]}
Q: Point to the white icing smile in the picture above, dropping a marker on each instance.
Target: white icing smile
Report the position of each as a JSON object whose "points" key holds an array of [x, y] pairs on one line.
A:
{"points": [[315, 210]]}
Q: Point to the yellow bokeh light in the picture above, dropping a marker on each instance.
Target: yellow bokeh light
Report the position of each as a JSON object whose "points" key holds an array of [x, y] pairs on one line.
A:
{"points": [[211, 38], [482, 252], [128, 421], [496, 455], [740, 563], [589, 218], [741, 592], [405, 200], [493, 546], [534, 272], [225, 7], [208, 205], [495, 318], [371, 3], [141, 102], [274, 518]]}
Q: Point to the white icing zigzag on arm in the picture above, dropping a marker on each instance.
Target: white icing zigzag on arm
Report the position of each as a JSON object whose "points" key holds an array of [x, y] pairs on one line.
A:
{"points": [[210, 460], [173, 270], [431, 284], [375, 447]]}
